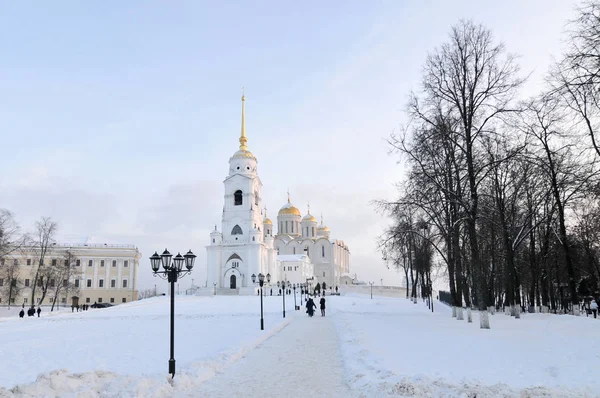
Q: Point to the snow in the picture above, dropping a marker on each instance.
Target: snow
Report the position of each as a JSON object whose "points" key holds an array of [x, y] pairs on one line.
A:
{"points": [[364, 347]]}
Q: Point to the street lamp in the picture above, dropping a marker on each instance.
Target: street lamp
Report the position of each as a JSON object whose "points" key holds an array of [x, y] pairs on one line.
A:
{"points": [[261, 282], [284, 285], [215, 287], [172, 271], [295, 305], [371, 283]]}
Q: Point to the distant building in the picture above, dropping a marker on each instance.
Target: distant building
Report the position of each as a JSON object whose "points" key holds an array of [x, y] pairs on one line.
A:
{"points": [[247, 244], [101, 273]]}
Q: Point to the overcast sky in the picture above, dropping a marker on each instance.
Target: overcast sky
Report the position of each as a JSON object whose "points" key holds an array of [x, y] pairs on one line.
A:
{"points": [[117, 119]]}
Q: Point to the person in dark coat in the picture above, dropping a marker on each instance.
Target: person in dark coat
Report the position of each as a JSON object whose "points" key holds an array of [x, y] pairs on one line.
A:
{"points": [[322, 303], [38, 311], [22, 313], [310, 307], [30, 311]]}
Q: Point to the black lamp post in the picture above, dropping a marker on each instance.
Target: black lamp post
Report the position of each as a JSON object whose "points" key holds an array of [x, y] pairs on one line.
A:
{"points": [[171, 272], [371, 283], [295, 305], [283, 287], [261, 282]]}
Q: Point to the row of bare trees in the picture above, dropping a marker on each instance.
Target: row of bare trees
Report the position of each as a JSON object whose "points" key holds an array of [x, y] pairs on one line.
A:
{"points": [[52, 273], [503, 190]]}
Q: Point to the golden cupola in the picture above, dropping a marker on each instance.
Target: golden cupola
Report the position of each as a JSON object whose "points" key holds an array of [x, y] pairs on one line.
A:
{"points": [[322, 230], [289, 209], [309, 217]]}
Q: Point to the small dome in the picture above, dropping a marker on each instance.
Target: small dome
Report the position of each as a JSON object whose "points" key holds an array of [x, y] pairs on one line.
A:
{"points": [[268, 221], [322, 228], [309, 217], [242, 153]]}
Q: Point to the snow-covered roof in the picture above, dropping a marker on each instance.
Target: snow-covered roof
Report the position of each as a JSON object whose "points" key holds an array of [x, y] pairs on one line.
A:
{"points": [[91, 241]]}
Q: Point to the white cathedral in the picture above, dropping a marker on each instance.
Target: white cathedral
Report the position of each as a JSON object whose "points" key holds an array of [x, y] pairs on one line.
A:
{"points": [[247, 245]]}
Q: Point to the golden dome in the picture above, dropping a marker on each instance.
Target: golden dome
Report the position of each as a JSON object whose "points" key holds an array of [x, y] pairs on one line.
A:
{"points": [[309, 217], [322, 228], [289, 209], [267, 221], [243, 153]]}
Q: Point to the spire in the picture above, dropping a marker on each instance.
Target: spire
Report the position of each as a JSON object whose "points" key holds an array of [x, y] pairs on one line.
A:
{"points": [[243, 139], [308, 204], [321, 218], [289, 196]]}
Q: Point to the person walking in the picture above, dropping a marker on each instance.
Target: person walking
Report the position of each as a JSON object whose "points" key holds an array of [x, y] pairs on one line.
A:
{"points": [[594, 307], [310, 307], [38, 311], [322, 303], [22, 313]]}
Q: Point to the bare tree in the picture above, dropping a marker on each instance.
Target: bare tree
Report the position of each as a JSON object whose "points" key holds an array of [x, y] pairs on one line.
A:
{"points": [[474, 80], [41, 243], [64, 273]]}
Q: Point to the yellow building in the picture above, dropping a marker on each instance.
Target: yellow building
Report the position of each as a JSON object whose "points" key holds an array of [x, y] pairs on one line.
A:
{"points": [[100, 273]]}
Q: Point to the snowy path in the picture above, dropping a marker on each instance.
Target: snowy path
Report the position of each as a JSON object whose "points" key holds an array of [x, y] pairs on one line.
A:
{"points": [[304, 359]]}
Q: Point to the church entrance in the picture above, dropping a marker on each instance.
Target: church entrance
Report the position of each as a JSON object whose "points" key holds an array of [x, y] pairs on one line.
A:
{"points": [[232, 280]]}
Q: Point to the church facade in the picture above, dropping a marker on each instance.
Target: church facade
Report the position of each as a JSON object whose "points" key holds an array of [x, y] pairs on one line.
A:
{"points": [[247, 243]]}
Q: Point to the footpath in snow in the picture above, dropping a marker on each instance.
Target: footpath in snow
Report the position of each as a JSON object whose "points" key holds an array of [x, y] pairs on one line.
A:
{"points": [[303, 359]]}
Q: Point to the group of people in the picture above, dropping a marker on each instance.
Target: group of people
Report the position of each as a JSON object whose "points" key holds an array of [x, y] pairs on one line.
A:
{"points": [[30, 312], [311, 306], [83, 307]]}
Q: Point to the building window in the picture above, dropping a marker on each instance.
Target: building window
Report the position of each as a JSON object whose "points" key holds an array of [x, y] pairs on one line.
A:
{"points": [[66, 263], [256, 198], [26, 282], [322, 251], [236, 230], [101, 283], [125, 263], [51, 299], [90, 263], [63, 300], [307, 251], [76, 282], [113, 283], [28, 261], [1, 282], [99, 299], [78, 263], [323, 274], [313, 231], [112, 299], [25, 300], [87, 299], [124, 300], [294, 250], [16, 262], [293, 227], [51, 282], [286, 227], [237, 198], [114, 263], [253, 239], [124, 282], [213, 241], [64, 283], [54, 262], [102, 263], [89, 283]]}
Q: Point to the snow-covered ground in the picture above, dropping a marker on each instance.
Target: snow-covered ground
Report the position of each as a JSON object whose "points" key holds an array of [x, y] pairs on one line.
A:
{"points": [[364, 347]]}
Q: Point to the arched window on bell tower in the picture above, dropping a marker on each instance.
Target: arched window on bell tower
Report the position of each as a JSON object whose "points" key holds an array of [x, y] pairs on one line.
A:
{"points": [[237, 230], [237, 198]]}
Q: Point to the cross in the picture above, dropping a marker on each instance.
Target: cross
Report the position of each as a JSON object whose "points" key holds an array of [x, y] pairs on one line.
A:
{"points": [[308, 204], [265, 211]]}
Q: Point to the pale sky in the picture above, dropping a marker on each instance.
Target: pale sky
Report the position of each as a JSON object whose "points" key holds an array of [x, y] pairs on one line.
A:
{"points": [[117, 119]]}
